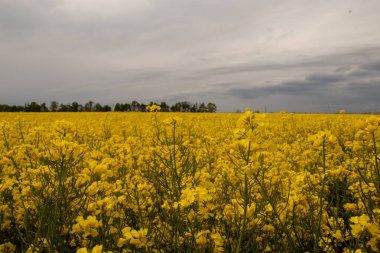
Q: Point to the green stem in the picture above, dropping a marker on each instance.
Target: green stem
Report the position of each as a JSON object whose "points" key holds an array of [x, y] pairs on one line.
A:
{"points": [[376, 163], [244, 227], [245, 197], [318, 235]]}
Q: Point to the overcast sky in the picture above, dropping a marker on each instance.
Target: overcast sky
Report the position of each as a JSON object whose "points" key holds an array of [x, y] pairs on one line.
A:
{"points": [[295, 55]]}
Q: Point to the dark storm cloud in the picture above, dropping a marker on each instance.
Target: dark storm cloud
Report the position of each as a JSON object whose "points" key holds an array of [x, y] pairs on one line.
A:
{"points": [[289, 88], [360, 73], [337, 62], [372, 66], [356, 85], [315, 83], [365, 90], [325, 78], [368, 70], [360, 86], [250, 67]]}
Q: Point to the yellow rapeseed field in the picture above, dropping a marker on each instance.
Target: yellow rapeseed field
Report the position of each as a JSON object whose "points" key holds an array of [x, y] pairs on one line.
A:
{"points": [[166, 182]]}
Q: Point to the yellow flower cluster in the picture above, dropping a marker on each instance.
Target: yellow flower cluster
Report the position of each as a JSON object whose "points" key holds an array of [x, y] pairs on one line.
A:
{"points": [[86, 227], [133, 237], [170, 182], [153, 108]]}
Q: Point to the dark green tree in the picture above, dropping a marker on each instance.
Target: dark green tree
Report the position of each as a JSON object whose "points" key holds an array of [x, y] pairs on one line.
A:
{"points": [[127, 107], [135, 106], [211, 107], [44, 108], [185, 106], [117, 107], [88, 107], [98, 107], [63, 108], [53, 106], [33, 107], [107, 108], [202, 107], [164, 107], [75, 106]]}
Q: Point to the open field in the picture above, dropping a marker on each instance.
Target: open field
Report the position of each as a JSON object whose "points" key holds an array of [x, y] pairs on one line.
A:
{"points": [[166, 182]]}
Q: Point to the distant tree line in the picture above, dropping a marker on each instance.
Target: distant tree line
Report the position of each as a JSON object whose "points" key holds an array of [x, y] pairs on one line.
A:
{"points": [[183, 106], [56, 107], [91, 106]]}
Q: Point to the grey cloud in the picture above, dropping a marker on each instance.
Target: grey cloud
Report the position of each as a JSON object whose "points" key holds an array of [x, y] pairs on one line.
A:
{"points": [[248, 92], [311, 84], [359, 73], [233, 53], [141, 76], [23, 18], [325, 78], [366, 89], [249, 67], [371, 66], [343, 69], [340, 61], [289, 88], [369, 69], [357, 86]]}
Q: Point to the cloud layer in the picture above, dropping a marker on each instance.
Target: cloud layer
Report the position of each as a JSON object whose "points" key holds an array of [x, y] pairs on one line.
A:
{"points": [[293, 55], [351, 85]]}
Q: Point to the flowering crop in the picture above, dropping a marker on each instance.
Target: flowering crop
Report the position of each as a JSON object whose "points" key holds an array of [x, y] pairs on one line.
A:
{"points": [[166, 182]]}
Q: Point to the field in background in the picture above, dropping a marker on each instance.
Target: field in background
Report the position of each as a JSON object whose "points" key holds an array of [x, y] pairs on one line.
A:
{"points": [[166, 182]]}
